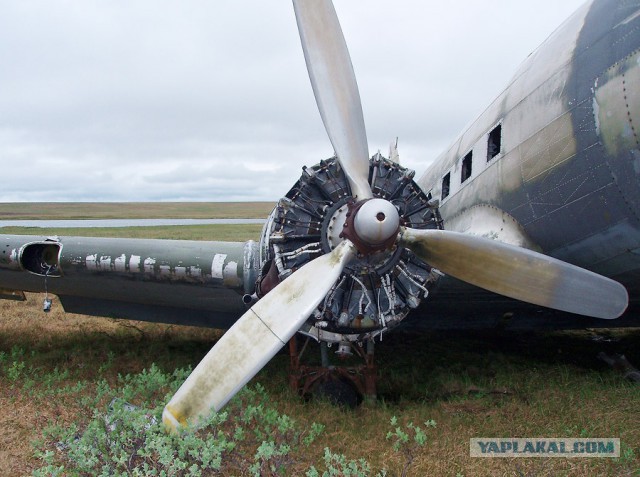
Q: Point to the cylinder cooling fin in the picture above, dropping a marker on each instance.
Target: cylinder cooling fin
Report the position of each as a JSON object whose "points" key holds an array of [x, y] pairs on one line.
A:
{"points": [[376, 291]]}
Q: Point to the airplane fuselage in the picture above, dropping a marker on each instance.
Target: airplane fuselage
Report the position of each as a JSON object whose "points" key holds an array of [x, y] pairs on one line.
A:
{"points": [[553, 163]]}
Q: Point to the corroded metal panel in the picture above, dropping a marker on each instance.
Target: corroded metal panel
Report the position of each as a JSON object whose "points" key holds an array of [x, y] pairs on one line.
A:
{"points": [[570, 169]]}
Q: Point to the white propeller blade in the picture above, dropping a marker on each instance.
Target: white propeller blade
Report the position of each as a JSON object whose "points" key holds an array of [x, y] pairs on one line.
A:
{"points": [[518, 273], [335, 88], [254, 339]]}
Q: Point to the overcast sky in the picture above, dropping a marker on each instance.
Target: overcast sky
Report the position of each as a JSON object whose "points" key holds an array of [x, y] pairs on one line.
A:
{"points": [[210, 100]]}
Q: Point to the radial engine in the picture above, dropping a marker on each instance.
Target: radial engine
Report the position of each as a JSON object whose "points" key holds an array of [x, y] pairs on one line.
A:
{"points": [[377, 290]]}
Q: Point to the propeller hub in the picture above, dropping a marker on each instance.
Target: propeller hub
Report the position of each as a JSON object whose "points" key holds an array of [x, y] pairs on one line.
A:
{"points": [[376, 221], [372, 225]]}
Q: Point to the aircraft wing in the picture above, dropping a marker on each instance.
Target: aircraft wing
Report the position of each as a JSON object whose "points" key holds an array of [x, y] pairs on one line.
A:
{"points": [[170, 281]]}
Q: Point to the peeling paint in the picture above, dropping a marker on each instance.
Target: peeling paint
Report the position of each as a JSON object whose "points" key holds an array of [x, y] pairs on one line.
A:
{"points": [[105, 263], [617, 107], [230, 274], [195, 272], [92, 262], [251, 266], [149, 264], [134, 263], [217, 265], [180, 272], [120, 263]]}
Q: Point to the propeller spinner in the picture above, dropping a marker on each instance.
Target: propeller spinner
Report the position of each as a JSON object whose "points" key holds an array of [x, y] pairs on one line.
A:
{"points": [[359, 231]]}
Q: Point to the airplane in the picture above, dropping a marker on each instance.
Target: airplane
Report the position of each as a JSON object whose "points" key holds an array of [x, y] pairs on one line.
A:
{"points": [[536, 201]]}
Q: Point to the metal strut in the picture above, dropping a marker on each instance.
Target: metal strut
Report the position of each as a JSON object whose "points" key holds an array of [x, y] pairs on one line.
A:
{"points": [[304, 379]]}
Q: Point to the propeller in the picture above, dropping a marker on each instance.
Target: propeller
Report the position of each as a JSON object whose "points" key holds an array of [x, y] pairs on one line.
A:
{"points": [[511, 271], [254, 339], [518, 272], [334, 86]]}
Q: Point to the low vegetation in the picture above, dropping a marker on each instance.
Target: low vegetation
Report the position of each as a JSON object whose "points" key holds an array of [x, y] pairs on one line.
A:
{"points": [[86, 395], [216, 232], [129, 210]]}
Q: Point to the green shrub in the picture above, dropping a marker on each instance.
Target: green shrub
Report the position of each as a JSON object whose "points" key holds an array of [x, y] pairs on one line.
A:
{"points": [[249, 436], [125, 439]]}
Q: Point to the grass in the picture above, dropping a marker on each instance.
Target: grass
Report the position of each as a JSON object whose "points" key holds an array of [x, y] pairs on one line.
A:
{"points": [[217, 232], [55, 369], [470, 384], [133, 210]]}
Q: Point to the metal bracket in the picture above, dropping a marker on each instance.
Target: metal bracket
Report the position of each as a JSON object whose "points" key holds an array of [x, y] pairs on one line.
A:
{"points": [[303, 378]]}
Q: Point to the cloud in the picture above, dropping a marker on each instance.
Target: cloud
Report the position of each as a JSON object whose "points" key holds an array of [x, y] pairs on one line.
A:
{"points": [[158, 100]]}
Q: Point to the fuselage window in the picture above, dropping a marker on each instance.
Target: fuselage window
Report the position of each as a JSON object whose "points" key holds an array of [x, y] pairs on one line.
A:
{"points": [[466, 167], [446, 185], [495, 142]]}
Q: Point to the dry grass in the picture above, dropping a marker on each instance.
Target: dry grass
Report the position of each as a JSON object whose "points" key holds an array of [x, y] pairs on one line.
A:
{"points": [[472, 385], [77, 343]]}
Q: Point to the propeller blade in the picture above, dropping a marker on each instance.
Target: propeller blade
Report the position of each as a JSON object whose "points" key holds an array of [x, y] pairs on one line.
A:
{"points": [[254, 339], [335, 88], [518, 272]]}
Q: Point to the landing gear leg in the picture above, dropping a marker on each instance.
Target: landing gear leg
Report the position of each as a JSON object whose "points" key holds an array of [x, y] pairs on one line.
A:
{"points": [[342, 385], [370, 372]]}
